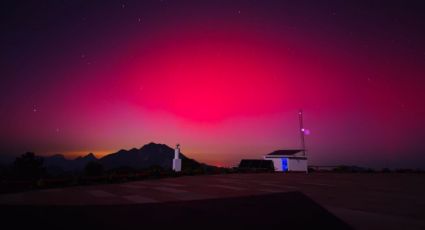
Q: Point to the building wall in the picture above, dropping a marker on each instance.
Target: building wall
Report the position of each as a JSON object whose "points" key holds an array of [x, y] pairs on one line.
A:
{"points": [[277, 163], [294, 165], [297, 165]]}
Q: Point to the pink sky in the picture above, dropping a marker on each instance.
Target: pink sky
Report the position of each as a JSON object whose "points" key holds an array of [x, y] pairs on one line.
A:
{"points": [[224, 89]]}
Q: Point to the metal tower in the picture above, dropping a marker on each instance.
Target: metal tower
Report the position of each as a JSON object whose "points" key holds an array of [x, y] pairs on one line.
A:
{"points": [[302, 131]]}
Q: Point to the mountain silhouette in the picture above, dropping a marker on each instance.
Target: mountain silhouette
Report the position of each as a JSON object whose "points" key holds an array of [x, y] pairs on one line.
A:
{"points": [[59, 161], [149, 155]]}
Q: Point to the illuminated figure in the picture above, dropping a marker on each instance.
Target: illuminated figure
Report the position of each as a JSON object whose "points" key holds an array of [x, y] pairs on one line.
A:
{"points": [[177, 162]]}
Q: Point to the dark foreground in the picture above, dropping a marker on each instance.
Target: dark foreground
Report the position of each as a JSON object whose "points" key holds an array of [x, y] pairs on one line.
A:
{"points": [[281, 210], [364, 201]]}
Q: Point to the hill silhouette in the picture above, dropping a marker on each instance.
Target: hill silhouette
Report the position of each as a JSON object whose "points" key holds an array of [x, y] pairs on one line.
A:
{"points": [[149, 155], [59, 161]]}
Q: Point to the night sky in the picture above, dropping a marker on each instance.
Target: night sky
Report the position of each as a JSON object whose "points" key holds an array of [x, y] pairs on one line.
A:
{"points": [[225, 79]]}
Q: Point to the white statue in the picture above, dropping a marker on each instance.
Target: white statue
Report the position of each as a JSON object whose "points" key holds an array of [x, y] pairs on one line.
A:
{"points": [[177, 162]]}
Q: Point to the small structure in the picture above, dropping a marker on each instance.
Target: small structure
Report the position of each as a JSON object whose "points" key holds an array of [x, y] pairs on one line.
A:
{"points": [[177, 162], [294, 160], [288, 160], [256, 165]]}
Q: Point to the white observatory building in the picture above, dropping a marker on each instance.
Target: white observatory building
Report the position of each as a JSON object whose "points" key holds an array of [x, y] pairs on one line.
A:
{"points": [[288, 160], [294, 160], [177, 162]]}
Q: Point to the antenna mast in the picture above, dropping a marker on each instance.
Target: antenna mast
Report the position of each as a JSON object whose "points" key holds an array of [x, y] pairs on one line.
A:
{"points": [[302, 130]]}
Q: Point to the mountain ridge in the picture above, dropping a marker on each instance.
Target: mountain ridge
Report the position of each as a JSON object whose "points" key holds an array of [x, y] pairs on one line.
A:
{"points": [[151, 154]]}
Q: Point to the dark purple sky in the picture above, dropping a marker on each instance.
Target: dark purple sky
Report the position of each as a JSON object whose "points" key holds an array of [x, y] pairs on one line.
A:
{"points": [[223, 78]]}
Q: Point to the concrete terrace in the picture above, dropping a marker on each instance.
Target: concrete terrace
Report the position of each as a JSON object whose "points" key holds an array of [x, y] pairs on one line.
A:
{"points": [[364, 201]]}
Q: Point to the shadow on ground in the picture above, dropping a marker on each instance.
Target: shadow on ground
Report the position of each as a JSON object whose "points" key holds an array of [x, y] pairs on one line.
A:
{"points": [[291, 210]]}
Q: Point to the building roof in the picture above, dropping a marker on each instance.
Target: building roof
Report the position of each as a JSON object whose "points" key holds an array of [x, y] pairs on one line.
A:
{"points": [[297, 158], [285, 152]]}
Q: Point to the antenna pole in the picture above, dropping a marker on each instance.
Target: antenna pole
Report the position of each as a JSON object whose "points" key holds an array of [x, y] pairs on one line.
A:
{"points": [[302, 130]]}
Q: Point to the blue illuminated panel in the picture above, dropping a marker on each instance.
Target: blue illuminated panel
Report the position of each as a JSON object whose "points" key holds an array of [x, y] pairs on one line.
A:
{"points": [[285, 164]]}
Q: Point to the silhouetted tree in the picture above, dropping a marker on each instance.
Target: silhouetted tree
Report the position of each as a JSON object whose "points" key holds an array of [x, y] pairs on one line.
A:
{"points": [[386, 170], [155, 170], [190, 165], [124, 170], [93, 169], [28, 166]]}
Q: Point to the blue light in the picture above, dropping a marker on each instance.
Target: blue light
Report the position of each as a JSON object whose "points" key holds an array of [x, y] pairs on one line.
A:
{"points": [[285, 164]]}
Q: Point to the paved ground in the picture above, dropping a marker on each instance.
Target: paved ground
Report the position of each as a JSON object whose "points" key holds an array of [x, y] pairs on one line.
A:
{"points": [[246, 212], [365, 201]]}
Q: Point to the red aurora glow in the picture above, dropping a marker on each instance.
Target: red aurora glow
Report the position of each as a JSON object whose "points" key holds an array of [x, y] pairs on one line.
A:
{"points": [[225, 83]]}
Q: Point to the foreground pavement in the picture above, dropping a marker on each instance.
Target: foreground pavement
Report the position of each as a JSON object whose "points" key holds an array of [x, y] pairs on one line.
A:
{"points": [[291, 210], [364, 201]]}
